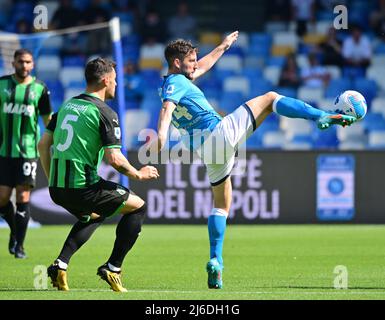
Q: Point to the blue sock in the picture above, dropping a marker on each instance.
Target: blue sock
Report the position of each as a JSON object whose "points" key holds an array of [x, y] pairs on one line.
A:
{"points": [[294, 108], [217, 227]]}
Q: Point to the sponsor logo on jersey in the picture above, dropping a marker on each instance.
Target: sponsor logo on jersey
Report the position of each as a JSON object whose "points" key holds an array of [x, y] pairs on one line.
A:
{"points": [[27, 110], [118, 134]]}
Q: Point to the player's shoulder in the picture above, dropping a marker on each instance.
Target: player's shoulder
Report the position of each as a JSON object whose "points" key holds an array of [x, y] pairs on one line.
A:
{"points": [[41, 83], [5, 77], [176, 78], [102, 106]]}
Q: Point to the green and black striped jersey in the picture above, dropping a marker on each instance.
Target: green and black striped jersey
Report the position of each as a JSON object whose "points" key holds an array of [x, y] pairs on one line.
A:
{"points": [[82, 128], [20, 106]]}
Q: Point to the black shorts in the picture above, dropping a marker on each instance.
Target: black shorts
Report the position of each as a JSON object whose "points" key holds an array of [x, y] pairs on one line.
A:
{"points": [[17, 171], [104, 198]]}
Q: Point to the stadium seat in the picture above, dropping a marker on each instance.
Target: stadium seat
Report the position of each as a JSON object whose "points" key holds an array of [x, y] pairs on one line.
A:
{"points": [[376, 139], [150, 63], [373, 122], [336, 86], [353, 72], [251, 73], [251, 61], [293, 145], [378, 106], [367, 87], [326, 104], [237, 83], [237, 51], [230, 100], [334, 71], [323, 26], [153, 51], [325, 139], [213, 38], [285, 38], [69, 74], [272, 27], [229, 62], [278, 61], [352, 145], [48, 67], [272, 73], [310, 95], [352, 133], [380, 48], [72, 92], [378, 60], [134, 121], [73, 61], [377, 73], [302, 61], [295, 127], [260, 86], [273, 140], [280, 50]]}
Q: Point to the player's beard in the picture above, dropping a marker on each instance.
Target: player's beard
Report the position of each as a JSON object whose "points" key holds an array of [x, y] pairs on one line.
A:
{"points": [[188, 75], [21, 74]]}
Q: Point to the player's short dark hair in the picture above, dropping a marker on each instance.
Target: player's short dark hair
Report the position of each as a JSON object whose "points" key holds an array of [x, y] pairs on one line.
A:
{"points": [[97, 68], [178, 49], [20, 52]]}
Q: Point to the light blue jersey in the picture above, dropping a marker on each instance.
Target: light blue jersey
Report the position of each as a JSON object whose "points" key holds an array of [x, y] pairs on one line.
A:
{"points": [[193, 113]]}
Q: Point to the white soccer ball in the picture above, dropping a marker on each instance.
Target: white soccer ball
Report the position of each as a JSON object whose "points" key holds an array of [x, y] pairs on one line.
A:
{"points": [[351, 103]]}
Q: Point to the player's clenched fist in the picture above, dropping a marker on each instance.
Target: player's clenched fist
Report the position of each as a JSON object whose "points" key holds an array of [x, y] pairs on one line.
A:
{"points": [[148, 172]]}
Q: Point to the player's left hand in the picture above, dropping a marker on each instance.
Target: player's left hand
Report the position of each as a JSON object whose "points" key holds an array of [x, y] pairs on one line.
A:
{"points": [[230, 39]]}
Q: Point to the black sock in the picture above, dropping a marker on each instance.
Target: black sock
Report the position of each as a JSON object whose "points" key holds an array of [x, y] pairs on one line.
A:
{"points": [[78, 236], [127, 231], [8, 214], [21, 222]]}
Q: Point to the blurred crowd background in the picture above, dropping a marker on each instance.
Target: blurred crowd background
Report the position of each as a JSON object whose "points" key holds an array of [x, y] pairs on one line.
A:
{"points": [[289, 46]]}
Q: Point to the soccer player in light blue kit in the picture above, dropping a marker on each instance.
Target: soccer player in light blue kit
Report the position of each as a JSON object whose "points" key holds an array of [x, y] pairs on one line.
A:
{"points": [[185, 106]]}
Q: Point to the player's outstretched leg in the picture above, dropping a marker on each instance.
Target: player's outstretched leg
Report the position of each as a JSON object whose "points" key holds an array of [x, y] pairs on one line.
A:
{"points": [[294, 108], [263, 105]]}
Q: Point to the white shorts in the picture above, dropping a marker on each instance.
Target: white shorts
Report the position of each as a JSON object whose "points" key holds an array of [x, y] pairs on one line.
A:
{"points": [[219, 149]]}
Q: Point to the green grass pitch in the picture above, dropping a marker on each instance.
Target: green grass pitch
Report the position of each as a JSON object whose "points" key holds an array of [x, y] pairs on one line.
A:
{"points": [[168, 262]]}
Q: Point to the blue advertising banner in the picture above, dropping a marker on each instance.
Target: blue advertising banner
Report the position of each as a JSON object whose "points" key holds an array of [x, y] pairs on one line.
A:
{"points": [[335, 187]]}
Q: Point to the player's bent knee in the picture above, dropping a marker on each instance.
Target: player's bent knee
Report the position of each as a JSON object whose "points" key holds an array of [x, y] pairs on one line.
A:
{"points": [[271, 96], [133, 203]]}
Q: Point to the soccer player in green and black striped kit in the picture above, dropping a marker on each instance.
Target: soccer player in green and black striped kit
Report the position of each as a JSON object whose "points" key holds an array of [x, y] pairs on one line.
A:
{"points": [[83, 131], [22, 99]]}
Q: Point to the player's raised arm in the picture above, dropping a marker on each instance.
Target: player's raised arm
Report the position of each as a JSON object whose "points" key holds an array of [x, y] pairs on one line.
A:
{"points": [[206, 63]]}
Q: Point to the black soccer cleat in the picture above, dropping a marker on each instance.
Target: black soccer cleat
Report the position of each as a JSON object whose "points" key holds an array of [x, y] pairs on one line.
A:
{"points": [[114, 279], [58, 277], [20, 253]]}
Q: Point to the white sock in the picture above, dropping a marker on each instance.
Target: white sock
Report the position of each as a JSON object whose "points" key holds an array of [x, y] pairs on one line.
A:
{"points": [[113, 268], [61, 264]]}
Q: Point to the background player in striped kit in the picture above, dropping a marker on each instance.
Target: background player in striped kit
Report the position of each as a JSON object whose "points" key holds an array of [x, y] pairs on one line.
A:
{"points": [[22, 99]]}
